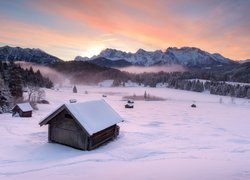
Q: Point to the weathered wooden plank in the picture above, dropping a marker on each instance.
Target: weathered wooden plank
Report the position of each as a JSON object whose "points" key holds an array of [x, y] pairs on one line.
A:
{"points": [[103, 136], [66, 137]]}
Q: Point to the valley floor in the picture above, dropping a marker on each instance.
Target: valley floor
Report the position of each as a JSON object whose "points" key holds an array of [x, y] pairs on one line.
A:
{"points": [[158, 139]]}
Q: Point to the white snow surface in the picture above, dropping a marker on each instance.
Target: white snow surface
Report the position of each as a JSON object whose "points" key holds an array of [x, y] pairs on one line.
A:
{"points": [[94, 116], [25, 107], [158, 139]]}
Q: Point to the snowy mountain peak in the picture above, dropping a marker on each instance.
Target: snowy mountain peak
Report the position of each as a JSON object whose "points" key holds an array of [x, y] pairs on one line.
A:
{"points": [[140, 51], [112, 54], [80, 58]]}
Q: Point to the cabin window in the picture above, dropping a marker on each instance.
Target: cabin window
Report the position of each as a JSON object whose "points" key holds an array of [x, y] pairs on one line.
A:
{"points": [[68, 116]]}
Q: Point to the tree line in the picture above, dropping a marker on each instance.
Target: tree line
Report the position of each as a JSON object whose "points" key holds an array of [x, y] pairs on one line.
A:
{"points": [[214, 83], [13, 82], [85, 72], [214, 87]]}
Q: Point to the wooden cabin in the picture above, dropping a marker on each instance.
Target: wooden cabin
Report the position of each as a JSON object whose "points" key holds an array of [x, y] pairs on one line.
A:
{"points": [[130, 104], [22, 110], [84, 125]]}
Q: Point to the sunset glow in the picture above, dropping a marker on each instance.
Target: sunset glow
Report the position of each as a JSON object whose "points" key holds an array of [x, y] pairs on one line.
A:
{"points": [[85, 27], [93, 50]]}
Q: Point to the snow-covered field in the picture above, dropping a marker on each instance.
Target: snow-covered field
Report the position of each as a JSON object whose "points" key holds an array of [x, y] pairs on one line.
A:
{"points": [[158, 139]]}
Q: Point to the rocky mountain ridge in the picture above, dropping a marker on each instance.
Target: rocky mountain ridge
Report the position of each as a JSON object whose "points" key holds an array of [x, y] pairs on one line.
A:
{"points": [[38, 56], [187, 56]]}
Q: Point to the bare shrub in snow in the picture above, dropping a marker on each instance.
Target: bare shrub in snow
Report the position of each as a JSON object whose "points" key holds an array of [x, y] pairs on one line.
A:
{"points": [[221, 100], [145, 97]]}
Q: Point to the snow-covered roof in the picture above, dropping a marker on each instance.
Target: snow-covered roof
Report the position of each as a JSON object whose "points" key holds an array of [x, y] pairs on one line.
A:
{"points": [[94, 116], [25, 107]]}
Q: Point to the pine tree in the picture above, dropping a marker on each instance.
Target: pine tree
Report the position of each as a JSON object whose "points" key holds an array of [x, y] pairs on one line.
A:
{"points": [[248, 93], [145, 95], [207, 85], [4, 96], [74, 89], [187, 85], [232, 91], [15, 83], [39, 78]]}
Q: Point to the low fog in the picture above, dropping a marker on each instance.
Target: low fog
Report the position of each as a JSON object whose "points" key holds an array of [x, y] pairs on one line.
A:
{"points": [[53, 75], [154, 69], [60, 79]]}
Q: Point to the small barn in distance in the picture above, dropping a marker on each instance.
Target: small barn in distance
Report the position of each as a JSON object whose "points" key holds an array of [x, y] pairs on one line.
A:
{"points": [[84, 125], [22, 110]]}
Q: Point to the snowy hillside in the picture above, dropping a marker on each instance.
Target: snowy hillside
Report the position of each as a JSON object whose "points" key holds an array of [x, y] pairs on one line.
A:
{"points": [[158, 139], [244, 61], [188, 56]]}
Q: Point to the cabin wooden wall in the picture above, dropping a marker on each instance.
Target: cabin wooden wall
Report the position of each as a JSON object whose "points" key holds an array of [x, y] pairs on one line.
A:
{"points": [[27, 114], [64, 130], [103, 136]]}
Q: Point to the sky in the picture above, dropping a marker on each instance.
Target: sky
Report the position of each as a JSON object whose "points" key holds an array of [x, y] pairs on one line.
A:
{"points": [[68, 28]]}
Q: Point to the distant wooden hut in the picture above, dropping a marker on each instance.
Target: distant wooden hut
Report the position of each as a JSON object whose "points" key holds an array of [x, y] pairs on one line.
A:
{"points": [[83, 126], [130, 104], [22, 110]]}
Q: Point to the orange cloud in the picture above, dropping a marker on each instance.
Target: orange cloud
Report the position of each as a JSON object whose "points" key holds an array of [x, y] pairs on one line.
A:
{"points": [[114, 20], [56, 42]]}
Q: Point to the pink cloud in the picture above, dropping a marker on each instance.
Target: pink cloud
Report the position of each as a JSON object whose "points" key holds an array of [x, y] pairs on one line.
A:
{"points": [[148, 24]]}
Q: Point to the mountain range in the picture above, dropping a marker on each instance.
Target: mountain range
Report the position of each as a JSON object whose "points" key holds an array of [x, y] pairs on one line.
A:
{"points": [[98, 67], [187, 56], [38, 56]]}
